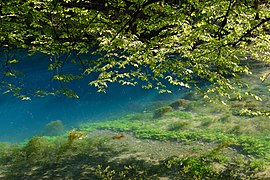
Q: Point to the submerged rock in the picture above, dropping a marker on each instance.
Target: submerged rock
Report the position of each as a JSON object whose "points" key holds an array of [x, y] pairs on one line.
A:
{"points": [[53, 128]]}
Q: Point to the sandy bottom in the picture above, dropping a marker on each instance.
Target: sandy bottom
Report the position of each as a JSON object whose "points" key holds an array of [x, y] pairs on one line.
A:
{"points": [[151, 150]]}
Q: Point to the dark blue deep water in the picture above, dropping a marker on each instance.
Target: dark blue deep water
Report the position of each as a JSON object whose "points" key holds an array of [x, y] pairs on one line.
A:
{"points": [[23, 119]]}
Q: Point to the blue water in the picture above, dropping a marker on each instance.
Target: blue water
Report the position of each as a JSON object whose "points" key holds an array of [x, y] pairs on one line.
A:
{"points": [[23, 119]]}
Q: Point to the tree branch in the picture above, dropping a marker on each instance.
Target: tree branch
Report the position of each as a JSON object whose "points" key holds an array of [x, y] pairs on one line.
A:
{"points": [[249, 31]]}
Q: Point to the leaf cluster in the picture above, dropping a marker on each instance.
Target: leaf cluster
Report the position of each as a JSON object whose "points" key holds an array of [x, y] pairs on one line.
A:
{"points": [[152, 43]]}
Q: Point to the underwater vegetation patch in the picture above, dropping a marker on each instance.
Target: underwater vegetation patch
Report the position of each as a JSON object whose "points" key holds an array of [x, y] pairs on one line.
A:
{"points": [[179, 125], [179, 114], [180, 103], [225, 118], [207, 121], [162, 111], [95, 157], [73, 135], [216, 144]]}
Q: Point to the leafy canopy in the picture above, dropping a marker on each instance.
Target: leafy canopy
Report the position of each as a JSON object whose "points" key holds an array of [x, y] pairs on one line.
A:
{"points": [[148, 42]]}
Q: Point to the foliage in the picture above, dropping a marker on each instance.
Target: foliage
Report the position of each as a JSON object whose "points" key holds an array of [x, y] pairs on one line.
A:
{"points": [[152, 43]]}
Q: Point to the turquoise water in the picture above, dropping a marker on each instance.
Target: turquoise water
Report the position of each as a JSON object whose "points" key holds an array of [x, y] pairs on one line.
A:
{"points": [[179, 137], [23, 119]]}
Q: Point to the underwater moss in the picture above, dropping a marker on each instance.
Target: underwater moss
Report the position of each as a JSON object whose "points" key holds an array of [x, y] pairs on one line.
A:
{"points": [[179, 103], [180, 114], [137, 116], [154, 105], [206, 121], [226, 118], [161, 111], [179, 125], [118, 136], [8, 152], [36, 149], [252, 104], [194, 106]]}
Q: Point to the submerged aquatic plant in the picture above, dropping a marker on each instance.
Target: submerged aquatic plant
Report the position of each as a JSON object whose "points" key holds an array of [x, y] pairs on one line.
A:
{"points": [[161, 111], [118, 136], [226, 118], [207, 121], [180, 115], [73, 135], [181, 103], [179, 125]]}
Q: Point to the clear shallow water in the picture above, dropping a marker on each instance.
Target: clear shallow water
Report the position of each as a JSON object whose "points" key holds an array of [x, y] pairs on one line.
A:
{"points": [[23, 119]]}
